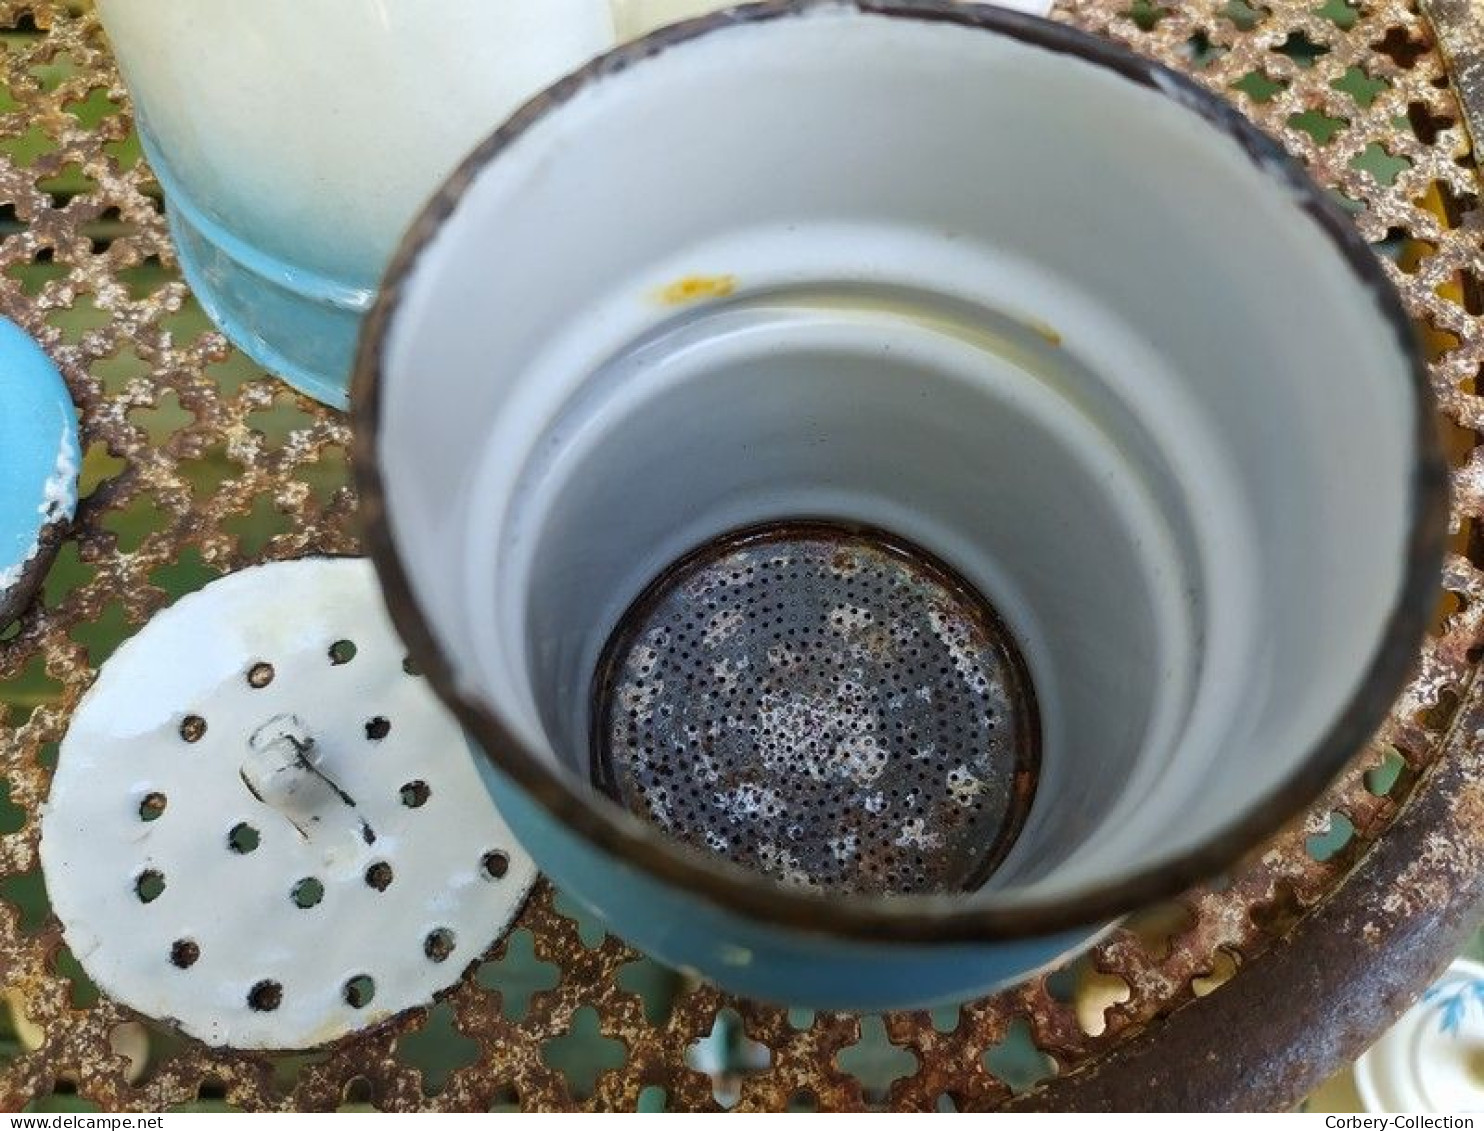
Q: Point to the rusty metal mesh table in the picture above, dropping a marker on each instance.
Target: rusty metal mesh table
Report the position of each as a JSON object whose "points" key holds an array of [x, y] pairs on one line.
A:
{"points": [[1245, 993]]}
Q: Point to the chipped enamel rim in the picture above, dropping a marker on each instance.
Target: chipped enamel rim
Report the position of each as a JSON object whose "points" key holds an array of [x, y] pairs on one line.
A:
{"points": [[927, 918], [58, 504]]}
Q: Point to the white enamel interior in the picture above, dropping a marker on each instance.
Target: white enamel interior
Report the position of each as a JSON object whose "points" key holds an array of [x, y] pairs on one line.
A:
{"points": [[633, 18], [1005, 302]]}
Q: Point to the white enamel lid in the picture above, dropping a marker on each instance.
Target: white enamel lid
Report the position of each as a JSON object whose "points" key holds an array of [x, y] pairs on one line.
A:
{"points": [[264, 827]]}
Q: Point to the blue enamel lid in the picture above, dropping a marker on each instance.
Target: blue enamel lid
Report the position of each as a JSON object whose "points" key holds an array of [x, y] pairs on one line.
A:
{"points": [[39, 460]]}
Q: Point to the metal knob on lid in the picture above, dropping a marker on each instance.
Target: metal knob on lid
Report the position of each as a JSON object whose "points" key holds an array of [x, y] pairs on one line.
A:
{"points": [[263, 825]]}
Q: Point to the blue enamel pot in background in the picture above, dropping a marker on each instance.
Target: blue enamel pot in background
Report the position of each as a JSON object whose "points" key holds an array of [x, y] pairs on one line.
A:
{"points": [[1038, 306]]}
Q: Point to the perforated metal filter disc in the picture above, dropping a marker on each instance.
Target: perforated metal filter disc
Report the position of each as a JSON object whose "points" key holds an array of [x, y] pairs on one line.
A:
{"points": [[827, 705], [264, 827]]}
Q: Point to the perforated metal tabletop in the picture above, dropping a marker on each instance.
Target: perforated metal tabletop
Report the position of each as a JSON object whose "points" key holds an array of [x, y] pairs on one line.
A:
{"points": [[1246, 993]]}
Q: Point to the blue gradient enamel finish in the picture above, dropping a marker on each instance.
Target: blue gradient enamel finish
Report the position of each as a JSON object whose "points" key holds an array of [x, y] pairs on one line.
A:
{"points": [[297, 324], [759, 961], [39, 453]]}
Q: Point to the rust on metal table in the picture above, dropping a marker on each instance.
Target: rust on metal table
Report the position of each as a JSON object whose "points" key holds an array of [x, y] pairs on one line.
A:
{"points": [[1245, 993]]}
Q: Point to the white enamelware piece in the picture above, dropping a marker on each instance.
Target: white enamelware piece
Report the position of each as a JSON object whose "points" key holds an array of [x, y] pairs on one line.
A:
{"points": [[264, 828], [1040, 307], [836, 269], [1432, 1060]]}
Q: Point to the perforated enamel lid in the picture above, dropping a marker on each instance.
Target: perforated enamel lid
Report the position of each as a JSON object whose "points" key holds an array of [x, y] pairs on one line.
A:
{"points": [[264, 826]]}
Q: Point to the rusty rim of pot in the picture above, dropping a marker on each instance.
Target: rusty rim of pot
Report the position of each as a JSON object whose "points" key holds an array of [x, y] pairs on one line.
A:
{"points": [[921, 919]]}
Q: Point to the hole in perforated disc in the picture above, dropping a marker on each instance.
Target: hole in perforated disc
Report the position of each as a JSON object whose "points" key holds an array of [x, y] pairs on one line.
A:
{"points": [[828, 705]]}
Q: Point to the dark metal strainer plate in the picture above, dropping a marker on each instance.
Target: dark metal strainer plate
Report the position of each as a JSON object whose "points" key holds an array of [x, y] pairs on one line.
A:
{"points": [[828, 705]]}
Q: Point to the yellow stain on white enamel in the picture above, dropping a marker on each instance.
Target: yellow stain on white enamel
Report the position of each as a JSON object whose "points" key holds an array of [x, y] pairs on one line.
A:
{"points": [[696, 288], [1046, 331]]}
